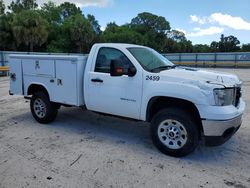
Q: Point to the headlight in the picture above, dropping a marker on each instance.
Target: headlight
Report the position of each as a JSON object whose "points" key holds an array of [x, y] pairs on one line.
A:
{"points": [[224, 97]]}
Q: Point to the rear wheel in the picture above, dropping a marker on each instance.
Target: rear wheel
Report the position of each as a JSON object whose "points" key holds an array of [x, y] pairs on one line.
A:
{"points": [[42, 109], [174, 132]]}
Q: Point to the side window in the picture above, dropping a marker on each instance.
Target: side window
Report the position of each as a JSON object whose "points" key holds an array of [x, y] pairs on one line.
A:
{"points": [[104, 57]]}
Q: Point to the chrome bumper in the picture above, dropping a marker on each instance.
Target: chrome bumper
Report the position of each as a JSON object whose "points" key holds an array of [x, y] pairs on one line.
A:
{"points": [[218, 127]]}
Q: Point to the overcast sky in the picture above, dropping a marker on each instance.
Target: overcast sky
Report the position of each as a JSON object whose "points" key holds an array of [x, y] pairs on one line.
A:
{"points": [[201, 20]]}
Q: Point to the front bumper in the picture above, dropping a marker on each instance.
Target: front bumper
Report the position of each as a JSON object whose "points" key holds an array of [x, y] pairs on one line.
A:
{"points": [[218, 127], [218, 132], [226, 122]]}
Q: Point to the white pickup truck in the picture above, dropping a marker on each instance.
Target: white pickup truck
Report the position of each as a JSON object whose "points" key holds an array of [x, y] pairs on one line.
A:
{"points": [[182, 104]]}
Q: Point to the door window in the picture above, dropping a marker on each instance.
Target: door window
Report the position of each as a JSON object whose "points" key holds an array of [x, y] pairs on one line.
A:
{"points": [[104, 57]]}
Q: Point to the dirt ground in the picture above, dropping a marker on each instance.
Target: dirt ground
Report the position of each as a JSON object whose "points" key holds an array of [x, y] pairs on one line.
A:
{"points": [[83, 149]]}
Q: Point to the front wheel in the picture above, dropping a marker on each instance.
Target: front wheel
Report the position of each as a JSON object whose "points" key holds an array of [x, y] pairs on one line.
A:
{"points": [[174, 132], [42, 109]]}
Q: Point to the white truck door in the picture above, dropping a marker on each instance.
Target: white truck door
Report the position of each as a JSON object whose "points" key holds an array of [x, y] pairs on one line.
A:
{"points": [[16, 76], [113, 95]]}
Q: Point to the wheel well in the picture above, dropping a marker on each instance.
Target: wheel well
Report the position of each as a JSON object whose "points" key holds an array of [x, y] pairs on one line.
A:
{"points": [[33, 88], [158, 103]]}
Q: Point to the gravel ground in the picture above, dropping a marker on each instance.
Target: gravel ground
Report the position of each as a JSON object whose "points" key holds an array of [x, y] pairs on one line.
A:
{"points": [[83, 149]]}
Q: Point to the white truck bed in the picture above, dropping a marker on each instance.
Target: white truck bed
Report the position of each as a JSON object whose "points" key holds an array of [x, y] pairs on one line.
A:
{"points": [[61, 76]]}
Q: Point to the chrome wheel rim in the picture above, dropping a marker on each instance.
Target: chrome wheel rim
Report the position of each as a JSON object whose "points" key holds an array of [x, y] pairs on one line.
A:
{"points": [[172, 134], [39, 108]]}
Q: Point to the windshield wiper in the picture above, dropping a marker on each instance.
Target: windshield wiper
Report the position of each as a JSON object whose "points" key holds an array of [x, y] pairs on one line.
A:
{"points": [[163, 67]]}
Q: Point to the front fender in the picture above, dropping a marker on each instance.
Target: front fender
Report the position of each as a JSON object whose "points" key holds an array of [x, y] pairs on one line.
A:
{"points": [[183, 91]]}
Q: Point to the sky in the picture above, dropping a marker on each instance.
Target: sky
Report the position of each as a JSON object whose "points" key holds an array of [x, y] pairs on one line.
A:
{"points": [[202, 21]]}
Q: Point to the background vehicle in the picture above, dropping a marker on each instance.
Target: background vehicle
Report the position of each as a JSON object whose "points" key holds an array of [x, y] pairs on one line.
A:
{"points": [[182, 104]]}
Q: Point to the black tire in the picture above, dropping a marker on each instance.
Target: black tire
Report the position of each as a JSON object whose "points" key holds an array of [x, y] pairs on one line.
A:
{"points": [[50, 112], [184, 120]]}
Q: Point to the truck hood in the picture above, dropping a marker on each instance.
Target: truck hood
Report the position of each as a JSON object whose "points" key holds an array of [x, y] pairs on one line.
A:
{"points": [[201, 77]]}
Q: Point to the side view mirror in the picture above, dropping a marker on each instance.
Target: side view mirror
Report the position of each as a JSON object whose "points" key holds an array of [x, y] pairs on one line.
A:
{"points": [[131, 71], [116, 68]]}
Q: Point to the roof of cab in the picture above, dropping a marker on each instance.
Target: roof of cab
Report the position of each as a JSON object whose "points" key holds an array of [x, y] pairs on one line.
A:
{"points": [[124, 45]]}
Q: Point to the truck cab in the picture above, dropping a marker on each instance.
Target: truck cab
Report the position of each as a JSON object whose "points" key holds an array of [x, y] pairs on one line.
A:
{"points": [[108, 90], [181, 104]]}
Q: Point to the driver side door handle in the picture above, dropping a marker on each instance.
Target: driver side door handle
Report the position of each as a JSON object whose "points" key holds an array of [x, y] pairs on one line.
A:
{"points": [[97, 80]]}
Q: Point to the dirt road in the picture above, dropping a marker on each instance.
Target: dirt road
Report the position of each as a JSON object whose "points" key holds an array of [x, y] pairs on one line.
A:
{"points": [[83, 149]]}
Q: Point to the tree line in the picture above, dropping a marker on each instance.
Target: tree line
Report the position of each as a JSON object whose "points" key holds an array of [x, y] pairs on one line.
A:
{"points": [[64, 28]]}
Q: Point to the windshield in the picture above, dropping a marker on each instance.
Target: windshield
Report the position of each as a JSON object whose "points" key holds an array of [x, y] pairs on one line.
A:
{"points": [[149, 59]]}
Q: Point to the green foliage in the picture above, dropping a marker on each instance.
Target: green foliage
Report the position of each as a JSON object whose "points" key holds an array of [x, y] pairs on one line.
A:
{"points": [[173, 46], [80, 31], [145, 22], [60, 45], [20, 5], [229, 44], [178, 36], [245, 47], [120, 34], [56, 40], [226, 44], [201, 48], [177, 42], [94, 24], [6, 35], [64, 28], [51, 12], [96, 28], [69, 30], [152, 30], [30, 29], [68, 9], [214, 46], [2, 7]]}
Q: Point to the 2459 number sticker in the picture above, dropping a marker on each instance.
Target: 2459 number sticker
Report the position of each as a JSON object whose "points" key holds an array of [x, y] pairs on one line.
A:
{"points": [[153, 78]]}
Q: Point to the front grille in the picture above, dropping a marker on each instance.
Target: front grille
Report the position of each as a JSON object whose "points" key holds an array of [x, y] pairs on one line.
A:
{"points": [[237, 95]]}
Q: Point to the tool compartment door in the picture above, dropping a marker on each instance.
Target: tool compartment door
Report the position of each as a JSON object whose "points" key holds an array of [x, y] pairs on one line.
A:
{"points": [[16, 76], [65, 90], [39, 67]]}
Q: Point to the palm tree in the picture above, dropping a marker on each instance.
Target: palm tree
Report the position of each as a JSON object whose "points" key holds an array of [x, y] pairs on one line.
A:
{"points": [[30, 29], [80, 30]]}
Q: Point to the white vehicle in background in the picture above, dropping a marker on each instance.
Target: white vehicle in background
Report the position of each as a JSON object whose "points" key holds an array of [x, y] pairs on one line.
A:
{"points": [[182, 104]]}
